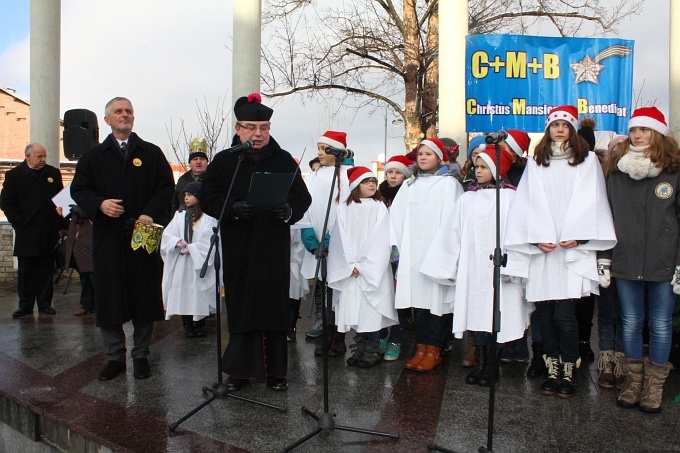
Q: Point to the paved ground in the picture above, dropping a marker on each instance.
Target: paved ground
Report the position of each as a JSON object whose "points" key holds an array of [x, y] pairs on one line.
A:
{"points": [[49, 365]]}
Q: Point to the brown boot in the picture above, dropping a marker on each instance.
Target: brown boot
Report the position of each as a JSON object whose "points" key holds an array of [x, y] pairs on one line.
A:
{"points": [[420, 354], [652, 390], [338, 346], [629, 396], [605, 365], [431, 360], [469, 359], [330, 336], [619, 376]]}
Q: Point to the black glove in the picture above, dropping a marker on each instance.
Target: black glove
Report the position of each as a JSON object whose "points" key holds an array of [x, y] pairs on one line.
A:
{"points": [[242, 210], [319, 253], [282, 212]]}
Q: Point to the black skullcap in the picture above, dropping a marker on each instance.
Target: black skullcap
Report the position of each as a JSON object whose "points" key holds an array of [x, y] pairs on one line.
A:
{"points": [[250, 108]]}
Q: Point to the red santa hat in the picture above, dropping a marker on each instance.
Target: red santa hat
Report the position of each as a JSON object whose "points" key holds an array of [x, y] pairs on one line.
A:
{"points": [[437, 146], [358, 174], [649, 117], [334, 139], [489, 156], [518, 141], [400, 163], [567, 113]]}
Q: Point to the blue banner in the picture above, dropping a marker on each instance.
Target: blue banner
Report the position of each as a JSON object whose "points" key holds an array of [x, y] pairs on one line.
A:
{"points": [[514, 80]]}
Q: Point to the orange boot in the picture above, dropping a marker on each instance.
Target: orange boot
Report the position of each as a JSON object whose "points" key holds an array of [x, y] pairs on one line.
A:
{"points": [[420, 355], [431, 360]]}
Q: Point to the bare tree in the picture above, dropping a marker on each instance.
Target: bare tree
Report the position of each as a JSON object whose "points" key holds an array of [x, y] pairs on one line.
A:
{"points": [[385, 52]]}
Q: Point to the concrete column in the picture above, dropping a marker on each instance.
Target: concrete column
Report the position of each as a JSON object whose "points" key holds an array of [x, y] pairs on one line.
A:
{"points": [[247, 44], [453, 20], [45, 67], [674, 79]]}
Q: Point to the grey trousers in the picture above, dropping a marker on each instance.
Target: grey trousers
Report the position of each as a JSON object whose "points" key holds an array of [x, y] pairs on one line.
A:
{"points": [[114, 340]]}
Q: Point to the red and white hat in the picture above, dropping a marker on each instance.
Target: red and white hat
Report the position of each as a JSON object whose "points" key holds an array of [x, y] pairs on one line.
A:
{"points": [[437, 146], [334, 139], [489, 156], [358, 174], [649, 117], [567, 113], [518, 141], [400, 163]]}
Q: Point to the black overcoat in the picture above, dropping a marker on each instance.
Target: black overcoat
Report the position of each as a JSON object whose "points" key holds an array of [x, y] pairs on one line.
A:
{"points": [[127, 282], [26, 200], [255, 251]]}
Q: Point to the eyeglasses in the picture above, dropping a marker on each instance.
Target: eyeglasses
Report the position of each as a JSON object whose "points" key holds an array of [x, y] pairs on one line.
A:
{"points": [[369, 181], [254, 127]]}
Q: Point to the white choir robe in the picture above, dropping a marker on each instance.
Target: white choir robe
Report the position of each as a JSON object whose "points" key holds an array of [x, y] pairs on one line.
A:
{"points": [[299, 287], [554, 204], [360, 238], [319, 185], [416, 214], [460, 253], [184, 291]]}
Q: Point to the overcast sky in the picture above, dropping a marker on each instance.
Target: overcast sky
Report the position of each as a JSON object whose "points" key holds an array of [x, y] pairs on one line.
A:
{"points": [[166, 54]]}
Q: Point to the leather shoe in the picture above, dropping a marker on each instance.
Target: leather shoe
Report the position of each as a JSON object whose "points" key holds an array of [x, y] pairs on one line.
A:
{"points": [[48, 311], [19, 312], [80, 312], [234, 384], [277, 384], [111, 370], [142, 370]]}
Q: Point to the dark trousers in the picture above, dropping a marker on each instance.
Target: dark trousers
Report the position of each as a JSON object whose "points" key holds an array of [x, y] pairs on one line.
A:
{"points": [[87, 291], [114, 340], [559, 328], [430, 329], [35, 281]]}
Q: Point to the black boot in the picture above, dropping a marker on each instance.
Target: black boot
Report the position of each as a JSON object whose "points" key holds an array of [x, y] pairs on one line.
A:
{"points": [[357, 351], [188, 323], [537, 367], [485, 377], [372, 355], [568, 374], [199, 328], [585, 351], [481, 357], [551, 386]]}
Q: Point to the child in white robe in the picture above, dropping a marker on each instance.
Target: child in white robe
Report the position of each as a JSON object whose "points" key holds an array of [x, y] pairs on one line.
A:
{"points": [[299, 286], [184, 246], [415, 217], [359, 267], [560, 219], [460, 253]]}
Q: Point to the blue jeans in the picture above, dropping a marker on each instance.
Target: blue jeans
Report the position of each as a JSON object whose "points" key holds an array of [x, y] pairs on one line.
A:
{"points": [[609, 328], [661, 301], [430, 329]]}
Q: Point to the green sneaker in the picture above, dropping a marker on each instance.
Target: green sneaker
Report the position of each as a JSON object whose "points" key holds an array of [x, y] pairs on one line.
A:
{"points": [[383, 344], [393, 352]]}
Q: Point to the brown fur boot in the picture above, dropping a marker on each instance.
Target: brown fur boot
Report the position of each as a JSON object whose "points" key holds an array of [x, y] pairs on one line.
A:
{"points": [[629, 396], [652, 390]]}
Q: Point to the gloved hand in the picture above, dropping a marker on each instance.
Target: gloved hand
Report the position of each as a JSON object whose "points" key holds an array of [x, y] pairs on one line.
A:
{"points": [[282, 212], [604, 272], [242, 210], [676, 280], [320, 253]]}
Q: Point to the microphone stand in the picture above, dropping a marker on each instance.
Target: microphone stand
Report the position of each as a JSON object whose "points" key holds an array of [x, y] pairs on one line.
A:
{"points": [[326, 423], [499, 259], [219, 388]]}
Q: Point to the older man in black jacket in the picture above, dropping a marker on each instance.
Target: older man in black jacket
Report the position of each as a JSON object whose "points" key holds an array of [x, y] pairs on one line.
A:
{"points": [[26, 199]]}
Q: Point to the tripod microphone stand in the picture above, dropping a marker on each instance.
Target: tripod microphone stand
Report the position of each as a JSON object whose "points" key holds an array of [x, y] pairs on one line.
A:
{"points": [[499, 260], [325, 422], [219, 389]]}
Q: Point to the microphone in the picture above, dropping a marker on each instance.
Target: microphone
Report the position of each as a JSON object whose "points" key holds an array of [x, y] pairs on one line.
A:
{"points": [[339, 152], [241, 147], [497, 137]]}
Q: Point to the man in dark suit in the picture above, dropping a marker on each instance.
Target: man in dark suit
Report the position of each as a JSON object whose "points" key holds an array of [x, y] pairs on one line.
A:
{"points": [[120, 181], [26, 199]]}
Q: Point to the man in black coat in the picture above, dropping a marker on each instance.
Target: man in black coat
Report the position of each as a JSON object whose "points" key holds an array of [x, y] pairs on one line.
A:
{"points": [[198, 162], [255, 249], [26, 199], [120, 181]]}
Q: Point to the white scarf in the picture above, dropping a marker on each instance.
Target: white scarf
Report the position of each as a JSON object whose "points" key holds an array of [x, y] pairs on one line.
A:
{"points": [[558, 152], [636, 165]]}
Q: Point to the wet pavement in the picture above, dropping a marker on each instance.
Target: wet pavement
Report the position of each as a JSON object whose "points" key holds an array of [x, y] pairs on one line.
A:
{"points": [[50, 395]]}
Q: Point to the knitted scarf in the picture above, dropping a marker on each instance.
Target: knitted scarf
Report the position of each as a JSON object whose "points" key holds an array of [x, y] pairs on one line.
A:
{"points": [[636, 165]]}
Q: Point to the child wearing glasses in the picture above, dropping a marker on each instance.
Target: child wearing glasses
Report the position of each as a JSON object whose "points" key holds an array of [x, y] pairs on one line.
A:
{"points": [[415, 217], [359, 267]]}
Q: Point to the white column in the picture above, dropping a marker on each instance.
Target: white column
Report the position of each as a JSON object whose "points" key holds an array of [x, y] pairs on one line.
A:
{"points": [[247, 43], [674, 79], [453, 27], [45, 67]]}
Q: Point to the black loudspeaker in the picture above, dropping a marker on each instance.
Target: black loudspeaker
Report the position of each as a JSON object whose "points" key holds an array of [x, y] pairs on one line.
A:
{"points": [[81, 132]]}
